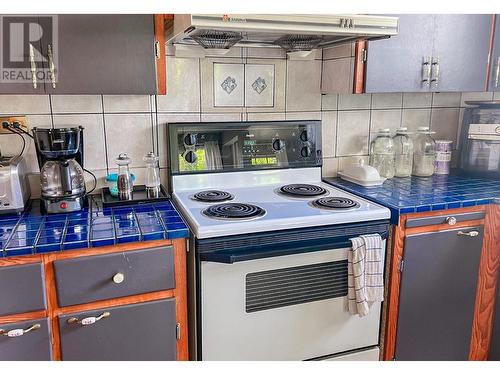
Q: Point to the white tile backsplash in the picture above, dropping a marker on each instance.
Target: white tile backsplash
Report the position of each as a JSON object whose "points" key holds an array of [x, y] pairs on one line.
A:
{"points": [[229, 85], [446, 99], [417, 100], [126, 103], [259, 85], [76, 103], [384, 119], [303, 86], [94, 144], [24, 104], [354, 101], [444, 121], [183, 88], [414, 118], [329, 133], [129, 133], [387, 101], [353, 128]]}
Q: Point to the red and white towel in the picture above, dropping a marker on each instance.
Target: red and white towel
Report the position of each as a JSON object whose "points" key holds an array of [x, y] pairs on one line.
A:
{"points": [[365, 278]]}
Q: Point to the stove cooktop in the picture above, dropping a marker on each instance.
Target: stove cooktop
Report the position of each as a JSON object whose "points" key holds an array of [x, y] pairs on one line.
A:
{"points": [[279, 211]]}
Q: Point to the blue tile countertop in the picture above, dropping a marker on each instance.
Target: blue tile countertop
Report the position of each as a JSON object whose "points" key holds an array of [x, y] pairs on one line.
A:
{"points": [[422, 194], [35, 233]]}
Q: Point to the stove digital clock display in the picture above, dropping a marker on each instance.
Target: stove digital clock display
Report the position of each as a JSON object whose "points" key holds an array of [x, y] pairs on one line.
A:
{"points": [[249, 142]]}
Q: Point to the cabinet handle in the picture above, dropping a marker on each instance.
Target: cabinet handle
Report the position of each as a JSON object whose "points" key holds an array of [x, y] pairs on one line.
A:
{"points": [[89, 320], [19, 331], [426, 71], [497, 72], [472, 233], [33, 66], [435, 71], [52, 67]]}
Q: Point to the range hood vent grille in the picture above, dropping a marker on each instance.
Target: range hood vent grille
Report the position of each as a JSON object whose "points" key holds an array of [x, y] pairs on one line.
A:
{"points": [[214, 39], [295, 43]]}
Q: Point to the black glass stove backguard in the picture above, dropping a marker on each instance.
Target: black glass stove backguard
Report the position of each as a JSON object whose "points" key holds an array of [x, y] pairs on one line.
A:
{"points": [[237, 146]]}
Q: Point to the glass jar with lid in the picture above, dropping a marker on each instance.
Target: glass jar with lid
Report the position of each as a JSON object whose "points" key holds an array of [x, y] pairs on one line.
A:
{"points": [[124, 179], [403, 153], [424, 153], [382, 153]]}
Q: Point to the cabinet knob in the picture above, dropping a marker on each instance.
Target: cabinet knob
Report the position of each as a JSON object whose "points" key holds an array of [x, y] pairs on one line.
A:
{"points": [[451, 220], [118, 278]]}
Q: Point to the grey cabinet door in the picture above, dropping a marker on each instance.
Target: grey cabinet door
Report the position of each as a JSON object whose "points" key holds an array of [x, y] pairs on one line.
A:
{"points": [[15, 65], [438, 291], [494, 82], [104, 54], [34, 345], [23, 289], [395, 64], [139, 332], [462, 43]]}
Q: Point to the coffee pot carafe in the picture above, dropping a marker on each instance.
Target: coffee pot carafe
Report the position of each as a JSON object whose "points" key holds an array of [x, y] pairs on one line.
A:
{"points": [[60, 157]]}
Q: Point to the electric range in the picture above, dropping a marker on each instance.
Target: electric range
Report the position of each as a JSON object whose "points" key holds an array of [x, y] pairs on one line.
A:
{"points": [[267, 264]]}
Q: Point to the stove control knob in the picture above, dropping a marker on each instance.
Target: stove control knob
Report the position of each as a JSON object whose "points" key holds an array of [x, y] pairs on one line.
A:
{"points": [[190, 139], [305, 152], [278, 144], [304, 137], [190, 157]]}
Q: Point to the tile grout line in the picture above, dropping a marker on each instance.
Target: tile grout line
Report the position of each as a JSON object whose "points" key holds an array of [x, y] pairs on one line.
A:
{"points": [[105, 135]]}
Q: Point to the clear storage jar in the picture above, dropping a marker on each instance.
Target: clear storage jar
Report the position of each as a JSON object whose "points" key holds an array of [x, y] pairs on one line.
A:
{"points": [[382, 153], [403, 153], [424, 153]]}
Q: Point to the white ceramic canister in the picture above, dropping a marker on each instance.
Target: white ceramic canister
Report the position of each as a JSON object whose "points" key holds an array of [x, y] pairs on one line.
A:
{"points": [[443, 156]]}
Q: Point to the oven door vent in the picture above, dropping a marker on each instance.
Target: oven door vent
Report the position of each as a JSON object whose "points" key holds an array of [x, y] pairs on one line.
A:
{"points": [[295, 285]]}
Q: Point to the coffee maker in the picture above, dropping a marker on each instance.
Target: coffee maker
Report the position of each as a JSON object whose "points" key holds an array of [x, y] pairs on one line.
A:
{"points": [[60, 157]]}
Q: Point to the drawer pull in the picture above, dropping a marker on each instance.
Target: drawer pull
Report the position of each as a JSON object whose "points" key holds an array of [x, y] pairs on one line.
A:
{"points": [[451, 220], [19, 331], [472, 233], [89, 320], [118, 278]]}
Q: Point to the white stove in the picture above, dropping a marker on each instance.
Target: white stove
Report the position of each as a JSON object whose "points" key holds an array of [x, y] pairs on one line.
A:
{"points": [[262, 189], [268, 269]]}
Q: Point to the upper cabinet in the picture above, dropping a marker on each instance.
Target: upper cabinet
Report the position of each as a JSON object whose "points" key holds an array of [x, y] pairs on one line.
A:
{"points": [[87, 54], [494, 81], [431, 53]]}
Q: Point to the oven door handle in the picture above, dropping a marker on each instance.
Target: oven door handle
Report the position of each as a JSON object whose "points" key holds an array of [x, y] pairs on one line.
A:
{"points": [[233, 256]]}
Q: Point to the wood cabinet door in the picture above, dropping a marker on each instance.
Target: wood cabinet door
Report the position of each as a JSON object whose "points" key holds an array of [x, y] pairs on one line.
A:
{"points": [[138, 332], [437, 295], [494, 81], [396, 64], [15, 65], [462, 44], [104, 54], [32, 345]]}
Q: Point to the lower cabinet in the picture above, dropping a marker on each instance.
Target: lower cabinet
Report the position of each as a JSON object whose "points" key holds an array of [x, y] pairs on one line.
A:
{"points": [[437, 295], [25, 341], [138, 332], [495, 336]]}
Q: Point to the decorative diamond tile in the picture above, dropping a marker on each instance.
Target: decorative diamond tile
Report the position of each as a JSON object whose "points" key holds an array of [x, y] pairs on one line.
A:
{"points": [[259, 85], [229, 84]]}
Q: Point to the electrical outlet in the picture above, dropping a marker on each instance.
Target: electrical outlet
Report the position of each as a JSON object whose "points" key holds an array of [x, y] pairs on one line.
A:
{"points": [[22, 120]]}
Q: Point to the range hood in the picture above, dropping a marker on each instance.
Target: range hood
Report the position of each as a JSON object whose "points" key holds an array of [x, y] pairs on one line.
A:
{"points": [[296, 34]]}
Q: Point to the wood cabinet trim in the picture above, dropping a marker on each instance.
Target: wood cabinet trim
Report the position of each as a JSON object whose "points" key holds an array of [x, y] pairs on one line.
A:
{"points": [[484, 308], [32, 315], [449, 212], [359, 67], [161, 61]]}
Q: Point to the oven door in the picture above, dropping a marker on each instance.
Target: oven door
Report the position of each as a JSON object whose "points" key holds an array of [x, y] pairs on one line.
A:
{"points": [[290, 307]]}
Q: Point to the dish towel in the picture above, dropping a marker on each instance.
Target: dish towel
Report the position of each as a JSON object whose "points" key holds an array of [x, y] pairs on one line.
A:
{"points": [[365, 273]]}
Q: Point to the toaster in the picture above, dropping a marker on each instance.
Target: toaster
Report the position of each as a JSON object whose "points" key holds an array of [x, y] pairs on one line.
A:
{"points": [[14, 185]]}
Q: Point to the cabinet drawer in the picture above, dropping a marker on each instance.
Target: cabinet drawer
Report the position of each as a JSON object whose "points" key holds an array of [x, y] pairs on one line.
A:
{"points": [[22, 289], [444, 219], [94, 278], [139, 332], [30, 346]]}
